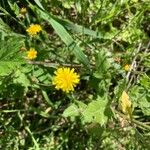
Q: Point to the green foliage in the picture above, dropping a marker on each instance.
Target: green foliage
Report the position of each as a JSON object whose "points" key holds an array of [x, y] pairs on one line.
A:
{"points": [[10, 55], [95, 112], [21, 78], [97, 39], [64, 35], [141, 95], [14, 7], [72, 111]]}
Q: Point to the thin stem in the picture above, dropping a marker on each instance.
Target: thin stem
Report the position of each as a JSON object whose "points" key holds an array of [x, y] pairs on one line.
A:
{"points": [[138, 123], [133, 62], [54, 65], [133, 66], [32, 137]]}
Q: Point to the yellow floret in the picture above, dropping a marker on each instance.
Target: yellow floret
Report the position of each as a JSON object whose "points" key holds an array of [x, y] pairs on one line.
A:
{"points": [[65, 79], [127, 67], [34, 29], [31, 54]]}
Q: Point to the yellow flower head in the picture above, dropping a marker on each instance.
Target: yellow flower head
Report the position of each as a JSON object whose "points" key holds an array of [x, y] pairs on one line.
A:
{"points": [[31, 54], [127, 67], [23, 10], [34, 29], [65, 79]]}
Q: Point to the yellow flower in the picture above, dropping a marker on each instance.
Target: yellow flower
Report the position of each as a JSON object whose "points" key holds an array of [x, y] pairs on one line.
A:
{"points": [[23, 10], [31, 54], [66, 79], [127, 67], [34, 29], [125, 104]]}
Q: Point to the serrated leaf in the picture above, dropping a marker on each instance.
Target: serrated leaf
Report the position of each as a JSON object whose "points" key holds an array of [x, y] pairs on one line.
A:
{"points": [[71, 111], [7, 66], [141, 99], [7, 31], [9, 49], [103, 61], [21, 78], [145, 81], [81, 106], [95, 112], [144, 104], [10, 58]]}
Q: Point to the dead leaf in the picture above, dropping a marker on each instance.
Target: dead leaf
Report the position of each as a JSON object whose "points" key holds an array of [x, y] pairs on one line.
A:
{"points": [[125, 104]]}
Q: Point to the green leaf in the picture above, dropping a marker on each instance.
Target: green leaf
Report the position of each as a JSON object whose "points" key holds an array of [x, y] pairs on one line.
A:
{"points": [[21, 78], [10, 58], [61, 31], [39, 4], [47, 99], [68, 40], [6, 30], [71, 111], [141, 99], [81, 106], [14, 7], [80, 29], [95, 112], [75, 109], [7, 67], [144, 104], [103, 61], [145, 81]]}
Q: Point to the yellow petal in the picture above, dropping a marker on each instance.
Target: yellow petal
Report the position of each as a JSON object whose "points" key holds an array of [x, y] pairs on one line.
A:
{"points": [[65, 79]]}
